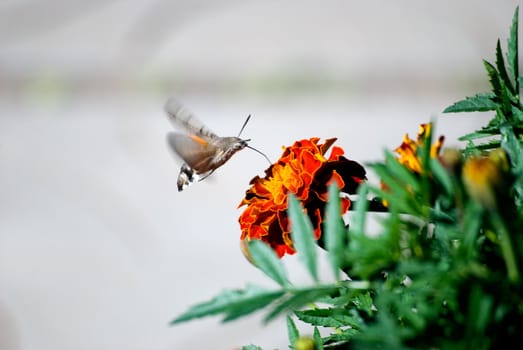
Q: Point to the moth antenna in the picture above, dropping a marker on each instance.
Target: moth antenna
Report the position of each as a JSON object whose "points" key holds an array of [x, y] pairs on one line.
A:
{"points": [[260, 152], [244, 124], [254, 149]]}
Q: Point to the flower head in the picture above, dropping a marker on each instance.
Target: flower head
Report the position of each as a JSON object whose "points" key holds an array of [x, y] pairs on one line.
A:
{"points": [[407, 151], [303, 170], [486, 178]]}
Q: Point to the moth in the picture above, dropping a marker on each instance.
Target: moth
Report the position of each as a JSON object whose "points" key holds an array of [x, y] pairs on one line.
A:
{"points": [[201, 149]]}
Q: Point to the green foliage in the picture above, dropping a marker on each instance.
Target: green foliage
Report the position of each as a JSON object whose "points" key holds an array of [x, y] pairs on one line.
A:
{"points": [[251, 347], [303, 237], [444, 271], [232, 303], [292, 332], [268, 262], [504, 98], [334, 231]]}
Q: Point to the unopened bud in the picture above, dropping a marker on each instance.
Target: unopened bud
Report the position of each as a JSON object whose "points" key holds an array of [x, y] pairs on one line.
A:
{"points": [[452, 160], [304, 343], [483, 177]]}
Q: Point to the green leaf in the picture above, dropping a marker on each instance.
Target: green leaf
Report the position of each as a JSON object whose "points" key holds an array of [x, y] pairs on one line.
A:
{"points": [[480, 134], [267, 261], [403, 187], [423, 153], [400, 173], [292, 332], [300, 298], [251, 347], [500, 64], [441, 174], [363, 301], [480, 310], [514, 148], [330, 317], [512, 50], [517, 113], [506, 102], [233, 303], [494, 78], [359, 218], [334, 231], [302, 235], [317, 339], [472, 219], [477, 103], [342, 335]]}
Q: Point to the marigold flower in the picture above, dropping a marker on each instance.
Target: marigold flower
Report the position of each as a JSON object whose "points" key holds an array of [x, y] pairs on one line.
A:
{"points": [[407, 151], [485, 177], [304, 171]]}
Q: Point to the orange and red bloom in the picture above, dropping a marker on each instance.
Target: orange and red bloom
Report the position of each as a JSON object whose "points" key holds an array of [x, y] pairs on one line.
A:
{"points": [[303, 170]]}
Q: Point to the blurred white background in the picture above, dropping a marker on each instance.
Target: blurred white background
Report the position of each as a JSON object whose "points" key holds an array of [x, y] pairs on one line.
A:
{"points": [[98, 249]]}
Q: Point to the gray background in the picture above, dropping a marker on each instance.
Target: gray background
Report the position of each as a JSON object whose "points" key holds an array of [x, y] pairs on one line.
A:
{"points": [[98, 250]]}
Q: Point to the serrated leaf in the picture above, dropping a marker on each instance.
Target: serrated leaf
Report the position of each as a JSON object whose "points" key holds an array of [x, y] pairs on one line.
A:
{"points": [[335, 318], [298, 299], [317, 339], [334, 231], [494, 78], [512, 50], [514, 148], [477, 103], [292, 332], [363, 301], [236, 302], [517, 113], [268, 262], [506, 104], [500, 65], [343, 335], [479, 134], [302, 235]]}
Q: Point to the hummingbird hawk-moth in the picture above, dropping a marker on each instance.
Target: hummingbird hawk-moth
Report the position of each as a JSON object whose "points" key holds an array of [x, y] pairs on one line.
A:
{"points": [[201, 149]]}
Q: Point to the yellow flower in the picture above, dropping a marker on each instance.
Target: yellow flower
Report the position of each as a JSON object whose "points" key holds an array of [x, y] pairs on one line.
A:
{"points": [[483, 177], [407, 151]]}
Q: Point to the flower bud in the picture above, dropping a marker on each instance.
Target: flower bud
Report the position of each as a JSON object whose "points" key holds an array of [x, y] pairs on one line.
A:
{"points": [[452, 160], [304, 343], [483, 177]]}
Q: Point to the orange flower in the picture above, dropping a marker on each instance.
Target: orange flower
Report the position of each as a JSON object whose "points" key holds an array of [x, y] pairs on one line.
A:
{"points": [[304, 171], [407, 151]]}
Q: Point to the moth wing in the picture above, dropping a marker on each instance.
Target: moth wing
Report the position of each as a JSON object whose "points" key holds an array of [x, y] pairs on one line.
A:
{"points": [[180, 116], [194, 150]]}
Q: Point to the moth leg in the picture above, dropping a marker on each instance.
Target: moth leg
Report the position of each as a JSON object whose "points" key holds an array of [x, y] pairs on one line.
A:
{"points": [[185, 177]]}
